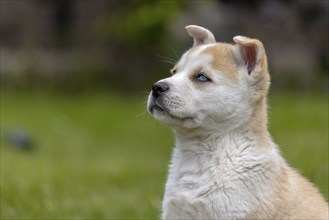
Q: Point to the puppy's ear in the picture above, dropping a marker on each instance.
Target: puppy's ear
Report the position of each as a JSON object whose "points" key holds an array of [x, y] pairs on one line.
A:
{"points": [[252, 53], [200, 35]]}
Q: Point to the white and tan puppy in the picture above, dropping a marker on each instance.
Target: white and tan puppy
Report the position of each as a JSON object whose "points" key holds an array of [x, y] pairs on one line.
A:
{"points": [[225, 164]]}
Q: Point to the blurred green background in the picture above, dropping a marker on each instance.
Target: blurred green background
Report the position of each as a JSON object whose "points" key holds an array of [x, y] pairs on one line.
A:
{"points": [[76, 140]]}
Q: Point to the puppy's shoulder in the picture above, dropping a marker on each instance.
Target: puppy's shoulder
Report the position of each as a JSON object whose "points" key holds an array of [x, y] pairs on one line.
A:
{"points": [[305, 199]]}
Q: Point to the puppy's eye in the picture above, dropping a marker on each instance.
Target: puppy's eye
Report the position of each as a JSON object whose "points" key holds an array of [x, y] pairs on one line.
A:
{"points": [[173, 71], [202, 78]]}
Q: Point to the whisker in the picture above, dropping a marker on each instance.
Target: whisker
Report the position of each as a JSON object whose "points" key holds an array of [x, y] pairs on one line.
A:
{"points": [[143, 105], [138, 115], [167, 58], [168, 61], [173, 50]]}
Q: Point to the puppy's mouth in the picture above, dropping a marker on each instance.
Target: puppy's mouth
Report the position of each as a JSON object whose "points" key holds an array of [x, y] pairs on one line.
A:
{"points": [[157, 107]]}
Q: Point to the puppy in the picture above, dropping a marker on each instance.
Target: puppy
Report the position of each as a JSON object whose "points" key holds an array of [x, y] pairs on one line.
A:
{"points": [[225, 164]]}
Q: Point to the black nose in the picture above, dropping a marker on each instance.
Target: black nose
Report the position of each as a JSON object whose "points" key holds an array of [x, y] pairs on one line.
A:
{"points": [[159, 88]]}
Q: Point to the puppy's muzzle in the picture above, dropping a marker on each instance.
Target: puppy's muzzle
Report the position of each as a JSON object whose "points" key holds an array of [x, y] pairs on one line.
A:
{"points": [[156, 99]]}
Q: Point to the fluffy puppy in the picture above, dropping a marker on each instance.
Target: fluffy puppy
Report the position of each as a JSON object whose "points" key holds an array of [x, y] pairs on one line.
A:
{"points": [[225, 164]]}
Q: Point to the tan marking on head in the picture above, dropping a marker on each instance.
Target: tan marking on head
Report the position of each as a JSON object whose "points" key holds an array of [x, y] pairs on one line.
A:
{"points": [[193, 49], [223, 60]]}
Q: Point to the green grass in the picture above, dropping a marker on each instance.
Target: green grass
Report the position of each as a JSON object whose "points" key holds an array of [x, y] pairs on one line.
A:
{"points": [[299, 125], [102, 156]]}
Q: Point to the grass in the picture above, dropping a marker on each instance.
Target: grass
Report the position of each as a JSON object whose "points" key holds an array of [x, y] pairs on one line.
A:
{"points": [[102, 157]]}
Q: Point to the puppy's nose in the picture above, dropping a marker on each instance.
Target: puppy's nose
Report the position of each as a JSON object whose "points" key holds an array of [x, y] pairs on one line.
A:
{"points": [[159, 88]]}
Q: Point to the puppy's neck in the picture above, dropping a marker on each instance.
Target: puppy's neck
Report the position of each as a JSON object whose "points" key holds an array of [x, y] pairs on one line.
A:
{"points": [[254, 130], [258, 124]]}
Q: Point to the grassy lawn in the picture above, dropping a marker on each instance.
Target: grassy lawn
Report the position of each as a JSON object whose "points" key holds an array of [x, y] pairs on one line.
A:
{"points": [[102, 156]]}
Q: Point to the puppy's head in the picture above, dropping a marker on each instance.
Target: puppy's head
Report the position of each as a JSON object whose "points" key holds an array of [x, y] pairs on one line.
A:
{"points": [[213, 85]]}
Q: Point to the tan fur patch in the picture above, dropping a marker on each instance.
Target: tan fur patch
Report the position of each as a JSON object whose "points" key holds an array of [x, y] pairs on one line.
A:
{"points": [[223, 60]]}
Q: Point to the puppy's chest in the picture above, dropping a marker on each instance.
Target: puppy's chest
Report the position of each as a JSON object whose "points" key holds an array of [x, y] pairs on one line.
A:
{"points": [[232, 181], [204, 173]]}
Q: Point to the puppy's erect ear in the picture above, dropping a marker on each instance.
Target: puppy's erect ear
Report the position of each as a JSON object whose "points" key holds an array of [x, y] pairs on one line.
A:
{"points": [[252, 53], [200, 35]]}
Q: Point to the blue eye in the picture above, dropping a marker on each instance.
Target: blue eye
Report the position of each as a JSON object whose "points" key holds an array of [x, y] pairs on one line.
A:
{"points": [[202, 78]]}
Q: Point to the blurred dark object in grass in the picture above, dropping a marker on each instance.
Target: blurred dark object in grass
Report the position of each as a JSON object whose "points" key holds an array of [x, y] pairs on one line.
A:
{"points": [[21, 140]]}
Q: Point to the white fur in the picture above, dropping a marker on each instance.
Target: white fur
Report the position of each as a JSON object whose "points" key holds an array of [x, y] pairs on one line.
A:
{"points": [[222, 177]]}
